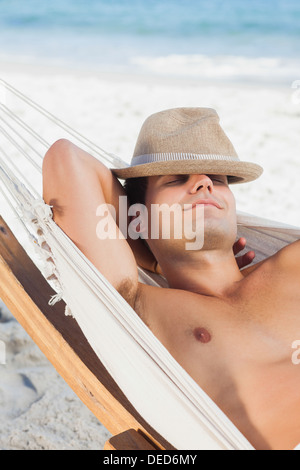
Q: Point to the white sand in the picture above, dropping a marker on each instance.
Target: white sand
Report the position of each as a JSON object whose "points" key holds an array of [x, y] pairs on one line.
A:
{"points": [[37, 409]]}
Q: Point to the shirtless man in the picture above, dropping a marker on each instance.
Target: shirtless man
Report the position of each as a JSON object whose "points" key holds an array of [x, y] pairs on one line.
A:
{"points": [[231, 330]]}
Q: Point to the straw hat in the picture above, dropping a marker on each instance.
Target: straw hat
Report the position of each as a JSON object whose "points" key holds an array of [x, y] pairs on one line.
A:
{"points": [[186, 141]]}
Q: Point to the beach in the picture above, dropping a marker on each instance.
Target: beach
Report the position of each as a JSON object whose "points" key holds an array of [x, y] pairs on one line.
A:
{"points": [[37, 409], [255, 93], [262, 120]]}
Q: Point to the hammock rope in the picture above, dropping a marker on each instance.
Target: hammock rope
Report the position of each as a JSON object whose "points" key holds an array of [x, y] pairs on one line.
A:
{"points": [[108, 157], [176, 406]]}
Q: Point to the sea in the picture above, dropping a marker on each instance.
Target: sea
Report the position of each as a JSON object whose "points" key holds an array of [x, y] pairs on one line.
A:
{"points": [[250, 40]]}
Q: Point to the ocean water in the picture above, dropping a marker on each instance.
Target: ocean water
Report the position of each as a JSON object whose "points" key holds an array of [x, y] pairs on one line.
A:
{"points": [[256, 40]]}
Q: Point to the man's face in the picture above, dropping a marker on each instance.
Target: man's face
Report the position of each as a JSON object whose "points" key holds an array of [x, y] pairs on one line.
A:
{"points": [[189, 191]]}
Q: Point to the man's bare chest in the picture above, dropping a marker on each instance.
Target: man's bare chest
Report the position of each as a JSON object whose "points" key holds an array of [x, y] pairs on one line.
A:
{"points": [[229, 341], [239, 353]]}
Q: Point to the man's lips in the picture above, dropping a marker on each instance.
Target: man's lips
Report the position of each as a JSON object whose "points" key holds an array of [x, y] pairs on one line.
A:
{"points": [[205, 202]]}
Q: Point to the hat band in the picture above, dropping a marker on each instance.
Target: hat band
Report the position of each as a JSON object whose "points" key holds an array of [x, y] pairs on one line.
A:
{"points": [[158, 157]]}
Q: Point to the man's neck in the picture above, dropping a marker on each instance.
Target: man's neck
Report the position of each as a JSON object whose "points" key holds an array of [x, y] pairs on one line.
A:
{"points": [[211, 273]]}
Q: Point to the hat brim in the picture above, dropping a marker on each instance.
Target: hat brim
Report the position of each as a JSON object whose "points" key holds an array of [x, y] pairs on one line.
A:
{"points": [[237, 171]]}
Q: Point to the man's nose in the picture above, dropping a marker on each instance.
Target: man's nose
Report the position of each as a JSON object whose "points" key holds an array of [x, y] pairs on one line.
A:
{"points": [[201, 182]]}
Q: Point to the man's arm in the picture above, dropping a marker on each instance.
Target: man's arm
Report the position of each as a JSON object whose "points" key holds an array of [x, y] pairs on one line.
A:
{"points": [[76, 184]]}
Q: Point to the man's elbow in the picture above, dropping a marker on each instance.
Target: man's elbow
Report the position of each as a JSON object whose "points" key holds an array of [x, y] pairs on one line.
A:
{"points": [[56, 169], [58, 156]]}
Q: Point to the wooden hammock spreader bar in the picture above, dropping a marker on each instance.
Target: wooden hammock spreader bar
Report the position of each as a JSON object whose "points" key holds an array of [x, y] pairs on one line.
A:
{"points": [[26, 294]]}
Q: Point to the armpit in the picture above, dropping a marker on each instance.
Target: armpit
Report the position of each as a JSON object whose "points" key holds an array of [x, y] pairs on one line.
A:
{"points": [[57, 209], [128, 291]]}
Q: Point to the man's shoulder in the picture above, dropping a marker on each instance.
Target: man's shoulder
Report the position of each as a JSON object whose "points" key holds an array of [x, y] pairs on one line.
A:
{"points": [[289, 254], [288, 258]]}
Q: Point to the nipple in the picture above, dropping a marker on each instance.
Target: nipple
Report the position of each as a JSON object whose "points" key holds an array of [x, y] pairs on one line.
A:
{"points": [[202, 335]]}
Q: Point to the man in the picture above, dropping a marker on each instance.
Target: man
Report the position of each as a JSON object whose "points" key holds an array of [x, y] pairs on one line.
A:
{"points": [[231, 330]]}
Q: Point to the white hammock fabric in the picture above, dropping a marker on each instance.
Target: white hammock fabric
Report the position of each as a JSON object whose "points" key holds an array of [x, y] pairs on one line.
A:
{"points": [[156, 385]]}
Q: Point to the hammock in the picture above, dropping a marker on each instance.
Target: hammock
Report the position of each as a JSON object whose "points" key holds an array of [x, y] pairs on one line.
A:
{"points": [[156, 385]]}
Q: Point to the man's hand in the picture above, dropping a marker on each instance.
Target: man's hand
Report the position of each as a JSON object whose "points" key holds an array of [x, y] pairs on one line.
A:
{"points": [[245, 259]]}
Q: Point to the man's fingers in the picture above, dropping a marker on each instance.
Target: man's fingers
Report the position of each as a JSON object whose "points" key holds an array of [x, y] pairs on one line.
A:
{"points": [[246, 259], [239, 245]]}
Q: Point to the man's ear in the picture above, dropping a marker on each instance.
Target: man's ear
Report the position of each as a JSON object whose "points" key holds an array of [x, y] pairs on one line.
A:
{"points": [[142, 224], [138, 221], [135, 221]]}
